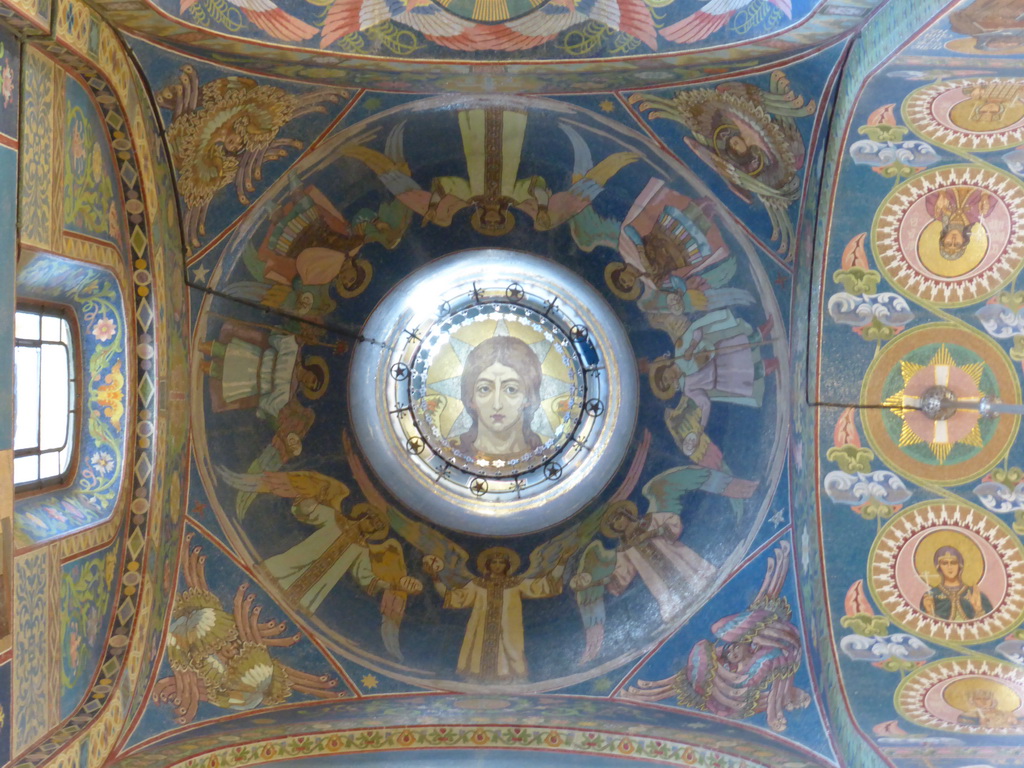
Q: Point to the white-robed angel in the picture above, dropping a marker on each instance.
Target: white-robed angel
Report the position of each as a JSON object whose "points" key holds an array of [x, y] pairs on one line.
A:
{"points": [[355, 545], [648, 546]]}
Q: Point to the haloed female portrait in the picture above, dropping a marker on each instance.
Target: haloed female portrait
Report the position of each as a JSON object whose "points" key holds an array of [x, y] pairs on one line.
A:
{"points": [[501, 393]]}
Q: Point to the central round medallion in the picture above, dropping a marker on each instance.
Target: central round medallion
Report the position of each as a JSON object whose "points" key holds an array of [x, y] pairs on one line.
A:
{"points": [[497, 389], [505, 392]]}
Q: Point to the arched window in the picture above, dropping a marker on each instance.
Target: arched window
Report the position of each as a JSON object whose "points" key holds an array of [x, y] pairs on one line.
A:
{"points": [[46, 396]]}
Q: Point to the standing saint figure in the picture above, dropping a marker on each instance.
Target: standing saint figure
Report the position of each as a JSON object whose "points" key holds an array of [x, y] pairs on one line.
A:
{"points": [[501, 392], [493, 649], [951, 599]]}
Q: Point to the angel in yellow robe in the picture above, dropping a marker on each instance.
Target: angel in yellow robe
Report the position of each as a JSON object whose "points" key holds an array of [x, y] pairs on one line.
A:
{"points": [[353, 545], [493, 649]]}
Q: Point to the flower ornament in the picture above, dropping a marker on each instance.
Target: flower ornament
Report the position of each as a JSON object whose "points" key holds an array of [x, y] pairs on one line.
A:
{"points": [[102, 462], [7, 83], [104, 329]]}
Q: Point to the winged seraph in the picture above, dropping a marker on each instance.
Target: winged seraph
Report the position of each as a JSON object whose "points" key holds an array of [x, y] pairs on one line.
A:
{"points": [[712, 17], [222, 133], [224, 657], [749, 136], [749, 668]]}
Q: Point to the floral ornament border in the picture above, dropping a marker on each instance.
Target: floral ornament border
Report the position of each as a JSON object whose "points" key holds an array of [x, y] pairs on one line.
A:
{"points": [[94, 294], [105, 701], [575, 741]]}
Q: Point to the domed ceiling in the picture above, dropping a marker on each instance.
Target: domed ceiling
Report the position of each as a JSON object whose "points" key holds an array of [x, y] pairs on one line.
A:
{"points": [[551, 383], [489, 392]]}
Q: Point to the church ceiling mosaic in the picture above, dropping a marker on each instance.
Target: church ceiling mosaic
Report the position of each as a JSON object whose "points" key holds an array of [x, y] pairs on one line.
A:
{"points": [[926, 615], [597, 45], [509, 394], [480, 423]]}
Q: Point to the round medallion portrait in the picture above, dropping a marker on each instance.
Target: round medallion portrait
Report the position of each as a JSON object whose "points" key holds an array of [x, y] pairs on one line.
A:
{"points": [[957, 445], [965, 695], [951, 236], [497, 389], [950, 572], [975, 114], [501, 394]]}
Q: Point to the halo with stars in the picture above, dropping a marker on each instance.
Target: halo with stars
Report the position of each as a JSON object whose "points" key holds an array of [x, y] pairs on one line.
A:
{"points": [[898, 585], [437, 399], [973, 114], [905, 235], [946, 452]]}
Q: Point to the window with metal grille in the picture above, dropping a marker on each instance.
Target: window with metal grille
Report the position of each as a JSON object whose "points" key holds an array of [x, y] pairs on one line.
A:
{"points": [[46, 397]]}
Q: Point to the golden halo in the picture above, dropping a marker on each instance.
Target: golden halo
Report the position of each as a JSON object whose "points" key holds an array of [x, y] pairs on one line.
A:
{"points": [[614, 508], [364, 509], [937, 264], [364, 271], [611, 273], [924, 556], [654, 376], [484, 557], [315, 361], [958, 694]]}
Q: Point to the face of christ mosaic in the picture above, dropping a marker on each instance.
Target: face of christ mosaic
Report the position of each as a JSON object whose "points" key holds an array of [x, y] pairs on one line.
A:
{"points": [[497, 393], [501, 394]]}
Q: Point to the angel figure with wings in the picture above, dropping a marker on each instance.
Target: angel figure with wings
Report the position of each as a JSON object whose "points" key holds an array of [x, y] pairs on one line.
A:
{"points": [[355, 544], [750, 667], [492, 139], [493, 649], [749, 136], [648, 546]]}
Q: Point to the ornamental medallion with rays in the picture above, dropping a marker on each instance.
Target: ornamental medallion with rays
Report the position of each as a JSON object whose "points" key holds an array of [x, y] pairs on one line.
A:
{"points": [[939, 434]]}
